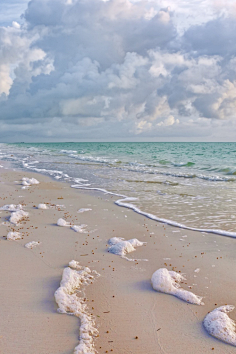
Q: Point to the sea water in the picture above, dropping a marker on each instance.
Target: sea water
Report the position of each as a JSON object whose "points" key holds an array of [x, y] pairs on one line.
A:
{"points": [[188, 184]]}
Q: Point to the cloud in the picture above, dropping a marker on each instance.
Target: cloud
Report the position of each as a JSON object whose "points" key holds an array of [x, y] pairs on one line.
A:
{"points": [[116, 69]]}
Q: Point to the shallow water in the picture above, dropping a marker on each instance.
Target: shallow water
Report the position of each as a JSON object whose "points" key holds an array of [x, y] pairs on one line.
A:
{"points": [[189, 183]]}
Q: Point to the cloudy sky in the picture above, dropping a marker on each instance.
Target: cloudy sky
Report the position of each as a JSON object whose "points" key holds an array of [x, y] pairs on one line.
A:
{"points": [[117, 70]]}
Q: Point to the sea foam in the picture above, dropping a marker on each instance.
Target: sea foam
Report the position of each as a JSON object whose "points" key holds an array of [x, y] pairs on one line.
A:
{"points": [[218, 324], [79, 228], [120, 247], [42, 206], [11, 207], [13, 235], [29, 181], [68, 301], [63, 223], [124, 203], [82, 210], [32, 244], [18, 216], [167, 282]]}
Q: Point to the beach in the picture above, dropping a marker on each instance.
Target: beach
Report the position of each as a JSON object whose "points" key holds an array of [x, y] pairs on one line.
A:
{"points": [[130, 315]]}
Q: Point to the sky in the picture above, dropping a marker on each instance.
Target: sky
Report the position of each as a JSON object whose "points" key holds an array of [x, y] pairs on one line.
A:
{"points": [[117, 70]]}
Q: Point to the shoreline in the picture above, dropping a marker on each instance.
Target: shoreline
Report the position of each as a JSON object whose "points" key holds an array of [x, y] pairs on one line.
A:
{"points": [[122, 299]]}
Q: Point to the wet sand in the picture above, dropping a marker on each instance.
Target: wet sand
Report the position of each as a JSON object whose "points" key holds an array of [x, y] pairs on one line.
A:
{"points": [[131, 317]]}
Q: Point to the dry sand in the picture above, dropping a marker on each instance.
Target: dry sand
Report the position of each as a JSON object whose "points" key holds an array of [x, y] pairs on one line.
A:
{"points": [[131, 317]]}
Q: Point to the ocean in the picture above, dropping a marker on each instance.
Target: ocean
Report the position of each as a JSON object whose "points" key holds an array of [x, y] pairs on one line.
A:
{"points": [[190, 185]]}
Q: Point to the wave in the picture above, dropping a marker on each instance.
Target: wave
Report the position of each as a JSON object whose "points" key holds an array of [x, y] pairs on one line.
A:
{"points": [[123, 203], [181, 175], [68, 151], [153, 169], [151, 182], [184, 164]]}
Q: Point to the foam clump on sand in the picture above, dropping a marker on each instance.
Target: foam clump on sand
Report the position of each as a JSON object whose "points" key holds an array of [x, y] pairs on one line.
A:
{"points": [[62, 222], [32, 244], [13, 235], [68, 301], [82, 210], [168, 282], [76, 228], [120, 247], [29, 181], [11, 207], [79, 228], [18, 216], [115, 240], [42, 206], [74, 264], [218, 324]]}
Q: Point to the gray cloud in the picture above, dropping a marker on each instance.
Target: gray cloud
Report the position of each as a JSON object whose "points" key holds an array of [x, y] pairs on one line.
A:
{"points": [[80, 69]]}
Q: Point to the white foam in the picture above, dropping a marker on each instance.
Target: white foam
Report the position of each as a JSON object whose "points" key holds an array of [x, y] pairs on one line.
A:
{"points": [[121, 248], [17, 216], [123, 203], [136, 243], [82, 210], [218, 324], [115, 240], [74, 264], [11, 207], [79, 228], [62, 222], [29, 181], [68, 300], [197, 270], [32, 244], [14, 235], [168, 282], [42, 206]]}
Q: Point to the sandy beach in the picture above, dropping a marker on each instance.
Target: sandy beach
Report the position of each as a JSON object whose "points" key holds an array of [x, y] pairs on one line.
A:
{"points": [[130, 316]]}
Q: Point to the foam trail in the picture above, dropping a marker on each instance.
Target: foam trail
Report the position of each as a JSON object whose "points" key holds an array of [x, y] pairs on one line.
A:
{"points": [[69, 302], [123, 203], [168, 282], [218, 324]]}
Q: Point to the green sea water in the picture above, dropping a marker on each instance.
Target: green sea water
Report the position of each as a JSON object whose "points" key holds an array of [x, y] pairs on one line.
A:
{"points": [[189, 183]]}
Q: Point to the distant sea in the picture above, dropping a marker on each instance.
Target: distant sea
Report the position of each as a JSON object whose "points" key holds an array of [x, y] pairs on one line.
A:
{"points": [[192, 184]]}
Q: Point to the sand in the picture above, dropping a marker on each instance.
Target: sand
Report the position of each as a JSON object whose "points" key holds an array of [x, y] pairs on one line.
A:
{"points": [[130, 315]]}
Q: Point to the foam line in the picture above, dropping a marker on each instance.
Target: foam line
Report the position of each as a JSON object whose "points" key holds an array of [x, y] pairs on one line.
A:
{"points": [[123, 203], [69, 302]]}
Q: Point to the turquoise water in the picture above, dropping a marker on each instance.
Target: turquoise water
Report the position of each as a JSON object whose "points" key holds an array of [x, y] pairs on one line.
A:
{"points": [[189, 183]]}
